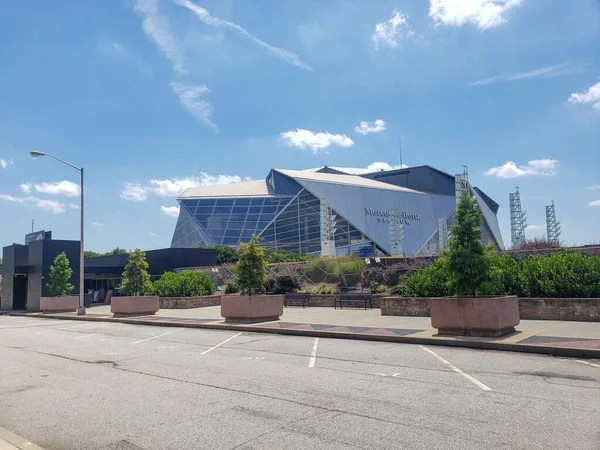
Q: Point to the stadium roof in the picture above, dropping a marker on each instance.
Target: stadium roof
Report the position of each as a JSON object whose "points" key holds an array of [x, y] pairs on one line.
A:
{"points": [[351, 180], [260, 188]]}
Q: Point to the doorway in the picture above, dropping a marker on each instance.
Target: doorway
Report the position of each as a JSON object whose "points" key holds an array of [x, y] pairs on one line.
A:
{"points": [[19, 292]]}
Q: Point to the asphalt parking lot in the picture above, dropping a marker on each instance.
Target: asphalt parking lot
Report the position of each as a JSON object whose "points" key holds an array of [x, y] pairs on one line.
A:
{"points": [[98, 385]]}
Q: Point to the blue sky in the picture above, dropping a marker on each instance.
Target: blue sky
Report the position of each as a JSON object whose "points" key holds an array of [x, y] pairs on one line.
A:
{"points": [[145, 94]]}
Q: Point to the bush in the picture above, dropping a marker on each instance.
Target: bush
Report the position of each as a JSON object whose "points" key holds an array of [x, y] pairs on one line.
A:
{"points": [[433, 281], [376, 288], [324, 288], [184, 284], [344, 271], [279, 256], [282, 284], [563, 274], [231, 288], [390, 275]]}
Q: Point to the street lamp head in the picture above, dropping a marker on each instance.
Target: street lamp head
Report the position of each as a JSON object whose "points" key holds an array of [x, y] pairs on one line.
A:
{"points": [[36, 154]]}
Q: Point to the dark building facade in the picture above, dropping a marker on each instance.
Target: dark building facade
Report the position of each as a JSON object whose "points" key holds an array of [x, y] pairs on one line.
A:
{"points": [[26, 269]]}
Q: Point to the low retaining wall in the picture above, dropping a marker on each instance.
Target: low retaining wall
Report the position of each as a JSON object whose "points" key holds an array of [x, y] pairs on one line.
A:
{"points": [[189, 302], [328, 300], [574, 309]]}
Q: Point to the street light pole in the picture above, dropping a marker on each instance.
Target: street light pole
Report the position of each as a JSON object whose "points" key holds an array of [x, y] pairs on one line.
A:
{"points": [[81, 309]]}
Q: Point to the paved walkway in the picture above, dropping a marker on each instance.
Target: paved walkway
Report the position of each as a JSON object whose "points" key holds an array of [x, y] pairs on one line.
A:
{"points": [[561, 338]]}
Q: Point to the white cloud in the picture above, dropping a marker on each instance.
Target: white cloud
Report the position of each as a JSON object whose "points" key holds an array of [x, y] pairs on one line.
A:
{"points": [[3, 163], [65, 187], [371, 127], [208, 19], [51, 206], [97, 224], [172, 211], [153, 234], [173, 187], [315, 141], [591, 96], [135, 192], [594, 187], [484, 14], [386, 32], [550, 71], [594, 203], [158, 28], [534, 167], [189, 97], [535, 228]]}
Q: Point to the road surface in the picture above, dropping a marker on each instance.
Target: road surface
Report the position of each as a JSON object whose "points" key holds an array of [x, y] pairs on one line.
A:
{"points": [[88, 385]]}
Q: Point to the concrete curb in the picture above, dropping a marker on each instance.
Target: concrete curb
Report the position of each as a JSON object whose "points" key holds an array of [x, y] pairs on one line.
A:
{"points": [[16, 441], [567, 352]]}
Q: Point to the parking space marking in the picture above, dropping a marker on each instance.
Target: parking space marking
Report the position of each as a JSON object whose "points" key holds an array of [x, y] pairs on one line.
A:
{"points": [[313, 353], [587, 363], [220, 343], [85, 335], [154, 337], [457, 370]]}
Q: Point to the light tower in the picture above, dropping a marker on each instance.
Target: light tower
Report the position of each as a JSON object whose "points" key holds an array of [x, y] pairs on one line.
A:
{"points": [[396, 233], [552, 225], [518, 219], [328, 228]]}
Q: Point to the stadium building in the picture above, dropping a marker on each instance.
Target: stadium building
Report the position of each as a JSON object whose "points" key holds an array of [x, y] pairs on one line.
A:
{"points": [[332, 211]]}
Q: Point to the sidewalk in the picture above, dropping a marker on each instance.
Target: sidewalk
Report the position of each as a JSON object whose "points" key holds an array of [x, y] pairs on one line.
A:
{"points": [[559, 338], [11, 441]]}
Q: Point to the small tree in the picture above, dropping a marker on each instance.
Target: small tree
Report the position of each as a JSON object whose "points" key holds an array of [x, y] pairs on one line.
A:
{"points": [[60, 274], [136, 280], [469, 260], [251, 267]]}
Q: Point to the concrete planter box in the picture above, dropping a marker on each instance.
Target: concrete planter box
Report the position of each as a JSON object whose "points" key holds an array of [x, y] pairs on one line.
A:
{"points": [[475, 316], [134, 306], [251, 308], [68, 303]]}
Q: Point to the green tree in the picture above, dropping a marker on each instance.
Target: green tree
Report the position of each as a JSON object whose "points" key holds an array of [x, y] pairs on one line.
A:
{"points": [[136, 280], [60, 274], [116, 251], [469, 260], [90, 254], [251, 267]]}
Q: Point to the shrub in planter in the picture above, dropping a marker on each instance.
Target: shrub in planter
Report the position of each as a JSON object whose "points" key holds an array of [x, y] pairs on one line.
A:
{"points": [[376, 288], [187, 283], [136, 280], [251, 267], [60, 274]]}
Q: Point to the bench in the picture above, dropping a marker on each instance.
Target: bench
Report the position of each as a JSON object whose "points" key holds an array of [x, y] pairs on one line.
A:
{"points": [[291, 298], [361, 299]]}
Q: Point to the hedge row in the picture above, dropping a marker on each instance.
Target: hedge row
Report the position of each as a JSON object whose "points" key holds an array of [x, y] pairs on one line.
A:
{"points": [[188, 283], [563, 274]]}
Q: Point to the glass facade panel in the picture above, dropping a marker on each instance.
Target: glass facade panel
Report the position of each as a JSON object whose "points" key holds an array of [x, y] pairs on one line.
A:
{"points": [[229, 221]]}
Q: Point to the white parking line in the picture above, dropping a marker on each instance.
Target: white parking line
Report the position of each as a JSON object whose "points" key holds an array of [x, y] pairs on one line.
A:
{"points": [[87, 335], [457, 370], [220, 343], [313, 353], [154, 337], [587, 363]]}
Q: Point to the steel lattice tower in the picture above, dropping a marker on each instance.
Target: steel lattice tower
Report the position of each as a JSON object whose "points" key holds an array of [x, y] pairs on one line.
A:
{"points": [[518, 219], [552, 225]]}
